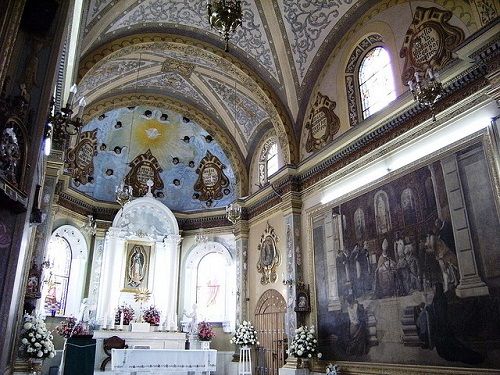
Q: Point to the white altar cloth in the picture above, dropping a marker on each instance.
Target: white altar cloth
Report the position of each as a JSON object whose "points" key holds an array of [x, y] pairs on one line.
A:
{"points": [[163, 361]]}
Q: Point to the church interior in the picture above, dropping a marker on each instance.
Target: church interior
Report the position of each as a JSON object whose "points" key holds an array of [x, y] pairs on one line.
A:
{"points": [[175, 172]]}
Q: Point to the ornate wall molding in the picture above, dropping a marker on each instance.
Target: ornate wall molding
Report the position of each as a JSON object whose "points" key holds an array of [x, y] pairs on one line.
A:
{"points": [[270, 256]]}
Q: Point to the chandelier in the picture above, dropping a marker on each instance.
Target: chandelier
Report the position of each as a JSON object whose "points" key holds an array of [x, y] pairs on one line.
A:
{"points": [[224, 16], [65, 122], [426, 89], [233, 212]]}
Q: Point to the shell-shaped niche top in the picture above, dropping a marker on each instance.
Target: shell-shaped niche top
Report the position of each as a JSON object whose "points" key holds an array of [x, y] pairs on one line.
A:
{"points": [[145, 217]]}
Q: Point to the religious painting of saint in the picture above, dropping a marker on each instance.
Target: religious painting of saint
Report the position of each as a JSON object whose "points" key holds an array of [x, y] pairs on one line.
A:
{"points": [[136, 266], [391, 283]]}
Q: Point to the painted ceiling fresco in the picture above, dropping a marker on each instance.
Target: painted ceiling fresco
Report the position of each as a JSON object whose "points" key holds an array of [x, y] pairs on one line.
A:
{"points": [[187, 74], [179, 145], [295, 29]]}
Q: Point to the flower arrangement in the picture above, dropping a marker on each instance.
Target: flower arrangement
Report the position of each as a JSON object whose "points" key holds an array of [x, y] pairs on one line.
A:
{"points": [[36, 340], [151, 316], [245, 335], [69, 328], [304, 343], [128, 314], [332, 369], [205, 331]]}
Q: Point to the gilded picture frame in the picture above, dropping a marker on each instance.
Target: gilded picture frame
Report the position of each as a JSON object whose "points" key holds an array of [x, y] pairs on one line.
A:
{"points": [[136, 266]]}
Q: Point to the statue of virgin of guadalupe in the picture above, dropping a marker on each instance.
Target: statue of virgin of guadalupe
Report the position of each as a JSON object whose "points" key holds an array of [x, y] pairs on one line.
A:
{"points": [[136, 266]]}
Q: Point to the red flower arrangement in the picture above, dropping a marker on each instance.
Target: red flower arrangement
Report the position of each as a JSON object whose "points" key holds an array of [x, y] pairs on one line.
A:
{"points": [[69, 328], [151, 316], [128, 314], [205, 331]]}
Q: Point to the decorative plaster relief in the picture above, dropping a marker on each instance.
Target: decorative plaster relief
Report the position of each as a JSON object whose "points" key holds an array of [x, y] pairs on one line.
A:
{"points": [[307, 24], [250, 37], [249, 114]]}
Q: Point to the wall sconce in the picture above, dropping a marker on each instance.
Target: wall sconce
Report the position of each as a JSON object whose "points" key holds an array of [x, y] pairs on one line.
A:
{"points": [[289, 282], [233, 212], [63, 121]]}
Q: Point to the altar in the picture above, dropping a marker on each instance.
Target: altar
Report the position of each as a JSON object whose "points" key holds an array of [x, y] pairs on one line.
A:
{"points": [[163, 361], [153, 340]]}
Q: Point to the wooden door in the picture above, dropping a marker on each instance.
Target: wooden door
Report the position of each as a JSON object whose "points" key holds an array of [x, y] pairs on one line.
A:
{"points": [[270, 326]]}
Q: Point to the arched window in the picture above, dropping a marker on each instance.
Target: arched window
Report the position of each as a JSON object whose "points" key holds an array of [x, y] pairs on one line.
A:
{"points": [[209, 282], [376, 82], [268, 160], [272, 160], [55, 285], [64, 279]]}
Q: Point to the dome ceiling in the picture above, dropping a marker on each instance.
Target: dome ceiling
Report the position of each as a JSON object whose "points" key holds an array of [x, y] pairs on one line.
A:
{"points": [[179, 145]]}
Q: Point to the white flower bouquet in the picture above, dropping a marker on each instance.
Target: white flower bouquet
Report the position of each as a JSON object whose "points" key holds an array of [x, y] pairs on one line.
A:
{"points": [[245, 335], [304, 343], [36, 340]]}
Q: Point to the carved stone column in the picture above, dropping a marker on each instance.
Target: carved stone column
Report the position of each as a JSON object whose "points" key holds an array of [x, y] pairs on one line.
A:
{"points": [[294, 265], [54, 169], [470, 282], [241, 240], [96, 269]]}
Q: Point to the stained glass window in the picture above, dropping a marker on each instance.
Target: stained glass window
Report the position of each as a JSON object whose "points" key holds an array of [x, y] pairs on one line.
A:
{"points": [[56, 280], [376, 82], [272, 160], [211, 287]]}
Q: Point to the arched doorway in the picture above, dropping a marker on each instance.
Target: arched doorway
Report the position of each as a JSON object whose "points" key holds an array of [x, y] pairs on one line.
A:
{"points": [[270, 325]]}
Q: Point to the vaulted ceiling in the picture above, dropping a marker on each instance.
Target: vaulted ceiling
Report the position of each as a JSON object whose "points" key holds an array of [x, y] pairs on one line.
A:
{"points": [[166, 52]]}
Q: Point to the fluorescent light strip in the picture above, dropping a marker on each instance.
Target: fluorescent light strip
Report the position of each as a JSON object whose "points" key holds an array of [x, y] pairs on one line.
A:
{"points": [[439, 139]]}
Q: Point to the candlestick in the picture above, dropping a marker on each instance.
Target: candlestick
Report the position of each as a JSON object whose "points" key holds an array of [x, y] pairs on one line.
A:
{"points": [[121, 321]]}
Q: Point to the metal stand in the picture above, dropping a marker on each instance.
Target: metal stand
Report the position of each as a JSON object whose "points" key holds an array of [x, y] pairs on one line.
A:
{"points": [[245, 365]]}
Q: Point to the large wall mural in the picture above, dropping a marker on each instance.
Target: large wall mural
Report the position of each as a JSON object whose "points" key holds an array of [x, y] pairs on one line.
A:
{"points": [[141, 143], [408, 271]]}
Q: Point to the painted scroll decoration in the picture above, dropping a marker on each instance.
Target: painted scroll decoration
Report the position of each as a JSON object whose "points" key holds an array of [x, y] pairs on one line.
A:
{"points": [[143, 168], [269, 256], [322, 124], [80, 160], [429, 42], [212, 183]]}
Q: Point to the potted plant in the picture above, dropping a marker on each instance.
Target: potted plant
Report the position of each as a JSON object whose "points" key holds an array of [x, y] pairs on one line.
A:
{"points": [[69, 328], [36, 341], [304, 346], [127, 312], [205, 334], [151, 316]]}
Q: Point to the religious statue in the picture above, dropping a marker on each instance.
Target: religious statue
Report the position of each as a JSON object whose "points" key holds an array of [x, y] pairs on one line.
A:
{"points": [[193, 315], [136, 266]]}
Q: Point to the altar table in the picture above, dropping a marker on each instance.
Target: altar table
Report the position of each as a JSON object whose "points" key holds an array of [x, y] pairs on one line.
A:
{"points": [[163, 361]]}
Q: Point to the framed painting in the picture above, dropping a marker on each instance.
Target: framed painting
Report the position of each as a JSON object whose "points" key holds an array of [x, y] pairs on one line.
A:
{"points": [[407, 271], [137, 260]]}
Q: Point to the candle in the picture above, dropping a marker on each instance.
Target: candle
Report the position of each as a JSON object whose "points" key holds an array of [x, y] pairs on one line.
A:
{"points": [[417, 77], [410, 83], [104, 323], [174, 326], [121, 321], [429, 73], [112, 325]]}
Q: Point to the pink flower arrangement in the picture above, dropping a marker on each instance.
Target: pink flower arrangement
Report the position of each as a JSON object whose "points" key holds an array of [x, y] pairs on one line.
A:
{"points": [[205, 331], [68, 328], [128, 314], [151, 316]]}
